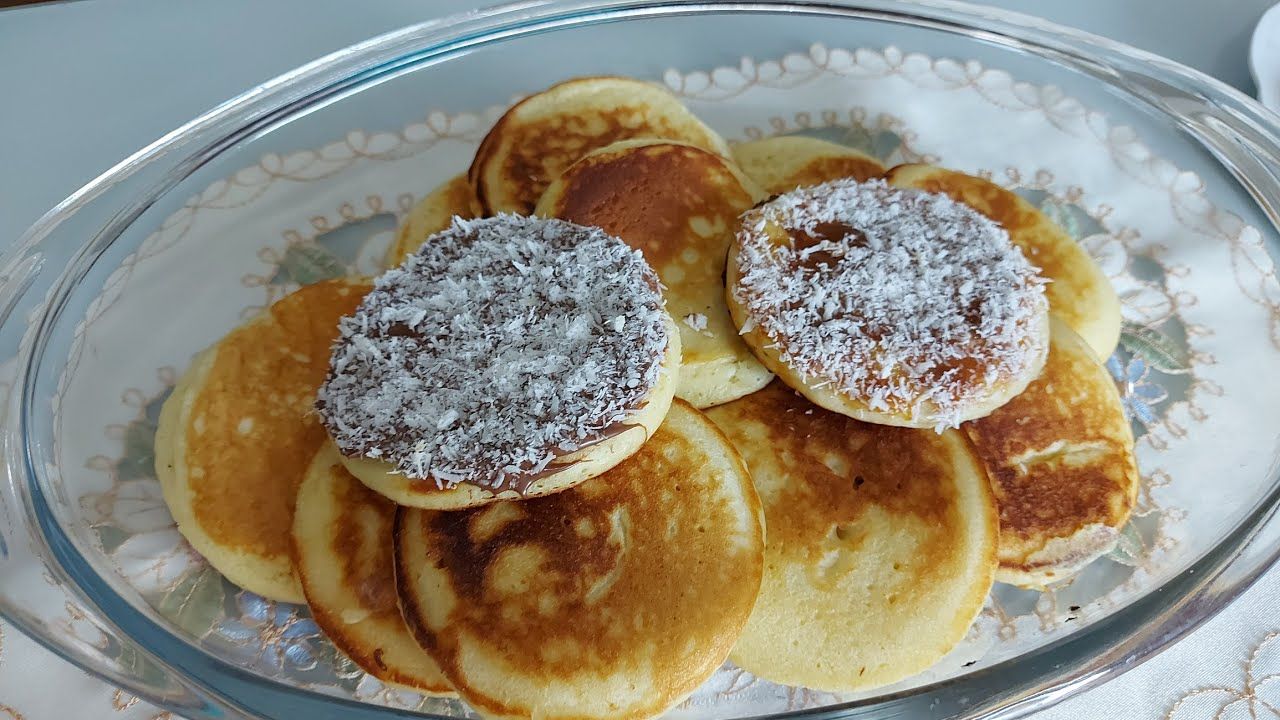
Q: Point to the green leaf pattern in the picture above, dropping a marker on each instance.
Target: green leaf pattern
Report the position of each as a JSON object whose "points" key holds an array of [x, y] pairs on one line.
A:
{"points": [[307, 263], [1155, 348], [1130, 549], [880, 144], [196, 602], [332, 254]]}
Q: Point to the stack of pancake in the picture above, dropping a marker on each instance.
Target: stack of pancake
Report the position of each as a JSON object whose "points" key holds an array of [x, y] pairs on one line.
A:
{"points": [[764, 514]]}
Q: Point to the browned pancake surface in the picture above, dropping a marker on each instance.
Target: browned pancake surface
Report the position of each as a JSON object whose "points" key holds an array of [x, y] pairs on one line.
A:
{"points": [[679, 205], [542, 135], [369, 567], [838, 469], [881, 542], [824, 169], [650, 195], [1060, 458], [253, 429], [783, 163], [638, 580], [344, 553]]}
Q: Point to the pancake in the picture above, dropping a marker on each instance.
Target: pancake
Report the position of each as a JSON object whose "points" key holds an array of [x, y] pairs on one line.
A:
{"points": [[237, 434], [679, 205], [545, 133], [1079, 292], [782, 164], [891, 306], [507, 357], [881, 544], [431, 215], [615, 599], [345, 557], [1060, 459]]}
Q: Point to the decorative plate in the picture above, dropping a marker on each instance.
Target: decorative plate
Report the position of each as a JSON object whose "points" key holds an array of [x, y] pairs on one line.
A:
{"points": [[1194, 281]]}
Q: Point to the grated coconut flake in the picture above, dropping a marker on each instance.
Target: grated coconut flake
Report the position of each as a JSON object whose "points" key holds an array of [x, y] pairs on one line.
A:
{"points": [[696, 321]]}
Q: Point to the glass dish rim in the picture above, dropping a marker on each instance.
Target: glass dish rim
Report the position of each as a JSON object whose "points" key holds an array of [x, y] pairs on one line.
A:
{"points": [[380, 58]]}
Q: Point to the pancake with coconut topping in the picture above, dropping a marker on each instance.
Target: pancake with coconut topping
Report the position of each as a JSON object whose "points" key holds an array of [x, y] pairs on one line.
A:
{"points": [[507, 357], [892, 306]]}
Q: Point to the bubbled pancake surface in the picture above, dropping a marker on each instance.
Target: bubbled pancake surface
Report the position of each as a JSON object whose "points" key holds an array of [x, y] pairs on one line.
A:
{"points": [[782, 164], [1079, 292], [431, 215], [237, 435], [1060, 458], [545, 133], [881, 543], [614, 599], [679, 205], [345, 557]]}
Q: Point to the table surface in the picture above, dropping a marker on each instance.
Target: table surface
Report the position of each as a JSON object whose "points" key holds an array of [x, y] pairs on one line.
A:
{"points": [[107, 78]]}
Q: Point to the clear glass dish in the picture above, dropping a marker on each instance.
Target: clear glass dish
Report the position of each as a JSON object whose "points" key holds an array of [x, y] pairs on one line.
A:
{"points": [[1166, 175]]}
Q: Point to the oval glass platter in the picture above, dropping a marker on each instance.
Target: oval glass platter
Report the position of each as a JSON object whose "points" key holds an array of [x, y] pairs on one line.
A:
{"points": [[1200, 299]]}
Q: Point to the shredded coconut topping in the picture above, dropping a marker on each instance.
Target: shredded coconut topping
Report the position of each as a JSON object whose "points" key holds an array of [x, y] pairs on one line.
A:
{"points": [[499, 346], [904, 300], [696, 321]]}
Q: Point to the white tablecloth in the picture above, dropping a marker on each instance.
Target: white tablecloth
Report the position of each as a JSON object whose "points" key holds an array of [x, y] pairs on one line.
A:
{"points": [[76, 69]]}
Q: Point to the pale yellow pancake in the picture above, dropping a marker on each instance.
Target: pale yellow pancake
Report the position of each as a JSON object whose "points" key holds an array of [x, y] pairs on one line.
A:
{"points": [[614, 599], [432, 214], [881, 543], [1060, 458], [1079, 292], [545, 133], [782, 164], [561, 474], [679, 205], [345, 556], [236, 437]]}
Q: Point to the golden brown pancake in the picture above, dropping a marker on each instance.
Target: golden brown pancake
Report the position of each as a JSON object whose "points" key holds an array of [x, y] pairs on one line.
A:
{"points": [[881, 543], [239, 431], [545, 133], [888, 305], [1060, 458], [432, 214], [614, 599], [1079, 292], [345, 557], [679, 205], [782, 164]]}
